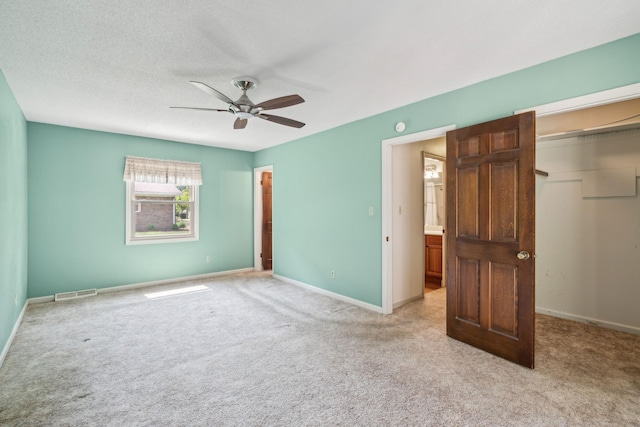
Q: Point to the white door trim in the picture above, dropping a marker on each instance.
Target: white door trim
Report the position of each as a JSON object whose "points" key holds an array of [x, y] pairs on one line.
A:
{"points": [[257, 215], [592, 100], [387, 207]]}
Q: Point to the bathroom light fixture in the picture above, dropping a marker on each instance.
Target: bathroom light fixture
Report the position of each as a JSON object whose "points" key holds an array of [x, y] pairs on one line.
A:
{"points": [[430, 172]]}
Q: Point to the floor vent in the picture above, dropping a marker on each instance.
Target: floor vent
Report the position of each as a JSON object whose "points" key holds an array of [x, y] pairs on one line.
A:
{"points": [[75, 294]]}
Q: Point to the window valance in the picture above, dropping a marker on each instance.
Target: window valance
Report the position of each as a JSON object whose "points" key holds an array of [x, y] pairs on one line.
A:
{"points": [[141, 169]]}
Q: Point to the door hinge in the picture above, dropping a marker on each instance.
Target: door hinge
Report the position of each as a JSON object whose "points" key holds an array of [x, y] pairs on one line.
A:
{"points": [[387, 238], [261, 182], [260, 255]]}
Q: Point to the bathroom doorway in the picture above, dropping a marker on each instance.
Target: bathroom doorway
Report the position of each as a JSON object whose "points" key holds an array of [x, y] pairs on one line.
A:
{"points": [[403, 216], [434, 219]]}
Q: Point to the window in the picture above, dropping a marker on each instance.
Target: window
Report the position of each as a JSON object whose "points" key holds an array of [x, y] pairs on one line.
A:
{"points": [[161, 212], [162, 201]]}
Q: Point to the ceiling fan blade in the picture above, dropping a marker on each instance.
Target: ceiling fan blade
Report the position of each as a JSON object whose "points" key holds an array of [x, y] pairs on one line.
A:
{"points": [[221, 96], [240, 123], [283, 101], [281, 120], [204, 109]]}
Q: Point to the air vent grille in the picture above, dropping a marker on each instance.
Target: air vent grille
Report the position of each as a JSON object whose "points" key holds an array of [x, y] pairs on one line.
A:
{"points": [[64, 296]]}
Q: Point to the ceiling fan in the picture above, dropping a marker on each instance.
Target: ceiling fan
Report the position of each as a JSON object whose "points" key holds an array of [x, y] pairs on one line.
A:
{"points": [[244, 109]]}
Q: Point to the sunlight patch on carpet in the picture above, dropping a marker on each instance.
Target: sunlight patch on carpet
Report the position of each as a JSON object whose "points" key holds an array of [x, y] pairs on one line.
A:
{"points": [[178, 291]]}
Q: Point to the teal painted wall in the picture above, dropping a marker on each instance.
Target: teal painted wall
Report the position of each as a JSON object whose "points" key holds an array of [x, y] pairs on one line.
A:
{"points": [[77, 211], [324, 184], [13, 211]]}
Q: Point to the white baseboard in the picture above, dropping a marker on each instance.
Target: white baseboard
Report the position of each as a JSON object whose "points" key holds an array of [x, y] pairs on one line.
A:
{"points": [[408, 300], [152, 283], [590, 321], [38, 300], [165, 281], [330, 294], [5, 350]]}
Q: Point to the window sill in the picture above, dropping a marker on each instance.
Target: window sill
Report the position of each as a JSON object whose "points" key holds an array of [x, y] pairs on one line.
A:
{"points": [[133, 242]]}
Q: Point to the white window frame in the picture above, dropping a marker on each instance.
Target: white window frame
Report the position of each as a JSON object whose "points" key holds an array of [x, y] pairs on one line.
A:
{"points": [[148, 240]]}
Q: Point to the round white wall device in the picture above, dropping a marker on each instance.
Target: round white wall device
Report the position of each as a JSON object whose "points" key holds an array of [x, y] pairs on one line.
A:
{"points": [[400, 126]]}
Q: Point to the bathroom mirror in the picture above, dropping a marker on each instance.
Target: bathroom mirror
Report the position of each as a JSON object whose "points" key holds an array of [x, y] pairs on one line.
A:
{"points": [[433, 194]]}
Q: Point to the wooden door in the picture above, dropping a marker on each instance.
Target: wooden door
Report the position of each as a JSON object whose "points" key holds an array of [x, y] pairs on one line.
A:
{"points": [[267, 226], [491, 235]]}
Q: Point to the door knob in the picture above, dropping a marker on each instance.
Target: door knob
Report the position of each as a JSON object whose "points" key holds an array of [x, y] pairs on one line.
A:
{"points": [[523, 255]]}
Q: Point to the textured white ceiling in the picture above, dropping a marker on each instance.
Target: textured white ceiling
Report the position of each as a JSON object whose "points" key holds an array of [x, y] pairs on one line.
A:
{"points": [[118, 65]]}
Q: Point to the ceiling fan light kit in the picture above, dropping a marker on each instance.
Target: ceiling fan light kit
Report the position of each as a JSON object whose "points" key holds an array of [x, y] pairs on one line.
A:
{"points": [[244, 109]]}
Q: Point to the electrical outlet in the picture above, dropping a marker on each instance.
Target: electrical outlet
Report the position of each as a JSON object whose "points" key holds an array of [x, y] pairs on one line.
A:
{"points": [[333, 274], [15, 298], [208, 259], [370, 210]]}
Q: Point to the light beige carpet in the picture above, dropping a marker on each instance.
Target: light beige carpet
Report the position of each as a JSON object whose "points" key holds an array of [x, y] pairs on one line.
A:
{"points": [[254, 351]]}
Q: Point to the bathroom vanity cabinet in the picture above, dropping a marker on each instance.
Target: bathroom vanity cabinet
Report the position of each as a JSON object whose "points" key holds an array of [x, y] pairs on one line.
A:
{"points": [[433, 260]]}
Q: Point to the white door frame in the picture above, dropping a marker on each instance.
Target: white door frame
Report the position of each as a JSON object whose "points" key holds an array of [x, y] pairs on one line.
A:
{"points": [[387, 205], [257, 216]]}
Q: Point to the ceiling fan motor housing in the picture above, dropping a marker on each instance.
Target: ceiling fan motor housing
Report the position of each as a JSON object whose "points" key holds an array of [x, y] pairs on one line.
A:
{"points": [[246, 110]]}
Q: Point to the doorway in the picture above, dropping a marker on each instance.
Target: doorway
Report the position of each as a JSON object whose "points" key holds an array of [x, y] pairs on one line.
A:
{"points": [[262, 215], [434, 217], [587, 208], [403, 244]]}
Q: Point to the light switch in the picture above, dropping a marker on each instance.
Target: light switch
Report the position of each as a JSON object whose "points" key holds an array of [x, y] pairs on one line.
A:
{"points": [[370, 210]]}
